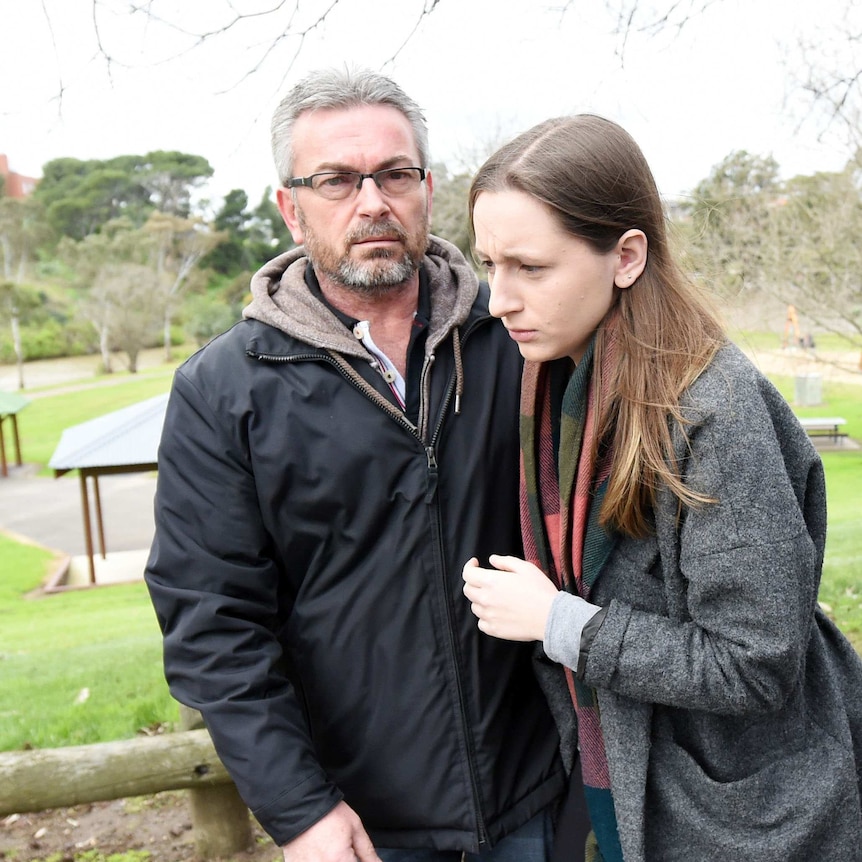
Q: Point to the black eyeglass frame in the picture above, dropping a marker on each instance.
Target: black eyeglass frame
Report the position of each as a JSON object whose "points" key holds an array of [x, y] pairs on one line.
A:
{"points": [[295, 182]]}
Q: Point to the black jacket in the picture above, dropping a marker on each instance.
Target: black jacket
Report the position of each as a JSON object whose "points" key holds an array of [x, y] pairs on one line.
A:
{"points": [[306, 571]]}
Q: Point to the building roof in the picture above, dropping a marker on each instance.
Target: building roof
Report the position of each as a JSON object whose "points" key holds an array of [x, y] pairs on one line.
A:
{"points": [[11, 403], [125, 438]]}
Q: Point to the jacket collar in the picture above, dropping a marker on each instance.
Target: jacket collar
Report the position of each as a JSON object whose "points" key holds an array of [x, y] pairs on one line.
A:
{"points": [[282, 299]]}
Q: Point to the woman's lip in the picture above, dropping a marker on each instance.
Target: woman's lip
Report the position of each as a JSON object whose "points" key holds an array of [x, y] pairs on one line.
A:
{"points": [[521, 334]]}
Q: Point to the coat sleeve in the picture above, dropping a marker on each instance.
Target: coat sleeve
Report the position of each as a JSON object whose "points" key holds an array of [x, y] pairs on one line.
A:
{"points": [[738, 577], [215, 587]]}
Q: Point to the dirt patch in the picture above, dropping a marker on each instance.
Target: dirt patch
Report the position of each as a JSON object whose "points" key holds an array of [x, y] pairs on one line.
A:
{"points": [[159, 825]]}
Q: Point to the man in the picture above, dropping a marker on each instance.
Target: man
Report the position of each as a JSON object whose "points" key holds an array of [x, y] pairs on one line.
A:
{"points": [[327, 466]]}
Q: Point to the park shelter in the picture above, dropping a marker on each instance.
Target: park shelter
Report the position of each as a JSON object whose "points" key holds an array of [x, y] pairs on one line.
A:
{"points": [[11, 405], [124, 441]]}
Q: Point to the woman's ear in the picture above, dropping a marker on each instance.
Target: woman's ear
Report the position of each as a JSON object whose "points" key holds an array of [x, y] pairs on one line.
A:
{"points": [[631, 251]]}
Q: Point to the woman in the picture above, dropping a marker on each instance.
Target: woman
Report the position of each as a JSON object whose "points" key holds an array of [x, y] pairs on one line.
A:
{"points": [[674, 518]]}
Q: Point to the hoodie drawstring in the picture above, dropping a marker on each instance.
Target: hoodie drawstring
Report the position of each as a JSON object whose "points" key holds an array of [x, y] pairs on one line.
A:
{"points": [[459, 368]]}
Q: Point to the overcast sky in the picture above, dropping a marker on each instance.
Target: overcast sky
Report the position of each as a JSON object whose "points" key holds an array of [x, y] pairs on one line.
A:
{"points": [[483, 70]]}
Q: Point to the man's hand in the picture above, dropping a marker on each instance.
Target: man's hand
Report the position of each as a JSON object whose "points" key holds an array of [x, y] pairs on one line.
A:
{"points": [[337, 837], [512, 600]]}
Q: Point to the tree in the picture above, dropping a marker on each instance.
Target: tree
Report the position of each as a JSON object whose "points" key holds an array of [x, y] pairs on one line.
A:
{"points": [[22, 230], [818, 269], [794, 241], [730, 222], [171, 177], [232, 254], [267, 233], [449, 217], [251, 237], [125, 307], [829, 76], [80, 197], [16, 301], [119, 287], [178, 245]]}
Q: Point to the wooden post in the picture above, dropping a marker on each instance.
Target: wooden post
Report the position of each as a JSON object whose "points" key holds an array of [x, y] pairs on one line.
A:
{"points": [[17, 439], [88, 529], [4, 471], [220, 818], [100, 523]]}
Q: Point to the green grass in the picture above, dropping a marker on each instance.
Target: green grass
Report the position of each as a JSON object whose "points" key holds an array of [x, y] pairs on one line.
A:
{"points": [[100, 647], [104, 643], [841, 587]]}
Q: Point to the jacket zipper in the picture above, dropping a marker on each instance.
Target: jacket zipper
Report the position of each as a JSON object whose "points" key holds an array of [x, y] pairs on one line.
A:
{"points": [[430, 497], [384, 405]]}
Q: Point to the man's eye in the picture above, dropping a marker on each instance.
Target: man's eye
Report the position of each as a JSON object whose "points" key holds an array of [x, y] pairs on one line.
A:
{"points": [[337, 179]]}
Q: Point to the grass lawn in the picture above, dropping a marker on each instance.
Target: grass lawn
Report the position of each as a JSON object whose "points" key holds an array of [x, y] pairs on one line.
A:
{"points": [[76, 667], [83, 666]]}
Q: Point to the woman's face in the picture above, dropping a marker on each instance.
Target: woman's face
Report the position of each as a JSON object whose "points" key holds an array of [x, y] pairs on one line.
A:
{"points": [[550, 289]]}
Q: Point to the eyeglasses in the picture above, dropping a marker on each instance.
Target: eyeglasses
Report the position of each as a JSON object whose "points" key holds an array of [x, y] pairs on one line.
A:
{"points": [[338, 185]]}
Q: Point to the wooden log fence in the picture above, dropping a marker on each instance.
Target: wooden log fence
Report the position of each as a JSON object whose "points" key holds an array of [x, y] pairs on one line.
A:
{"points": [[40, 779]]}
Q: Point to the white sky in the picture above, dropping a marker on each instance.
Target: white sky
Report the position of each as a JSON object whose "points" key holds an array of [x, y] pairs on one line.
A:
{"points": [[483, 70]]}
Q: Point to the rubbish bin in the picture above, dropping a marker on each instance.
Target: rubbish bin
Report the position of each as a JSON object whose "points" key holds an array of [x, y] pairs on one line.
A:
{"points": [[808, 390]]}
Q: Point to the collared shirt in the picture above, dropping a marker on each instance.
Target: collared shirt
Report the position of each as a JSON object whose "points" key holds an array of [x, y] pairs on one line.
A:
{"points": [[409, 398]]}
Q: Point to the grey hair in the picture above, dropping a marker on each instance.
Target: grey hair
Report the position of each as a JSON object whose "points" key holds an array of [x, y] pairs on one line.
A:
{"points": [[340, 88]]}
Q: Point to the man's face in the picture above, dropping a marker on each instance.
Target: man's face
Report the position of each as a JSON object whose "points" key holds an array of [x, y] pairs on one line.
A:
{"points": [[368, 242]]}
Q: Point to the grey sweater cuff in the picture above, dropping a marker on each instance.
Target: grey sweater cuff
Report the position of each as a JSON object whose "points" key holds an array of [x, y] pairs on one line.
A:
{"points": [[564, 628]]}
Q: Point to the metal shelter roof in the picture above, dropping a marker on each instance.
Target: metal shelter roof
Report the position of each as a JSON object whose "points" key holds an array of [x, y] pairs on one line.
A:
{"points": [[11, 403], [124, 438], [124, 441]]}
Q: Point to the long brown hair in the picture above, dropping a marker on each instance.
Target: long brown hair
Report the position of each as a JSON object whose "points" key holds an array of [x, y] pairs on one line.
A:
{"points": [[597, 183]]}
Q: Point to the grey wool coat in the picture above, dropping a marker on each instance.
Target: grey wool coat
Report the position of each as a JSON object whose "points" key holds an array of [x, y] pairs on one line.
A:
{"points": [[731, 706]]}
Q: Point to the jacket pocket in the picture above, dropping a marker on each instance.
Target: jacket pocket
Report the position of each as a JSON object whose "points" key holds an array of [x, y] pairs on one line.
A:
{"points": [[801, 803]]}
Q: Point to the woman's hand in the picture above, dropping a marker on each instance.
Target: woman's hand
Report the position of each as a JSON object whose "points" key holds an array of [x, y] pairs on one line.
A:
{"points": [[512, 600]]}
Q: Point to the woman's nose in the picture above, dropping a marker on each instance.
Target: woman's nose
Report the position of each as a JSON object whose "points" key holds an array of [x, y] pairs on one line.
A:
{"points": [[503, 300]]}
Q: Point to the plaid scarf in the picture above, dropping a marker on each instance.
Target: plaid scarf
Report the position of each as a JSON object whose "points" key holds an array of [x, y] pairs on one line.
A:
{"points": [[571, 549]]}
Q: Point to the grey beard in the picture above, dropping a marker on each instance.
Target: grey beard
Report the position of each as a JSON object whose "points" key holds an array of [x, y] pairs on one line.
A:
{"points": [[377, 276]]}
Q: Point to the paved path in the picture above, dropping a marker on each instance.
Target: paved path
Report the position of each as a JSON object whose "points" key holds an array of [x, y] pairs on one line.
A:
{"points": [[49, 512]]}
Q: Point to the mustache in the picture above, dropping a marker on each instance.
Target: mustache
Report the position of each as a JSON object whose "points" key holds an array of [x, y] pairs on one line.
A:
{"points": [[371, 231]]}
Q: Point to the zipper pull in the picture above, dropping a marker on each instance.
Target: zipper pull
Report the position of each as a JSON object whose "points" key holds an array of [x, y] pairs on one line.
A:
{"points": [[432, 473]]}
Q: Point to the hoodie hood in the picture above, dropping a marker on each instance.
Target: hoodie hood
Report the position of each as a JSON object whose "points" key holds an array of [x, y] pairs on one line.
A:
{"points": [[281, 298]]}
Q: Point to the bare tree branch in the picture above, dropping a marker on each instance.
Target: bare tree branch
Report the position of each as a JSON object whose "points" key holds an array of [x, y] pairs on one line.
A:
{"points": [[829, 76], [423, 15], [639, 18], [61, 87]]}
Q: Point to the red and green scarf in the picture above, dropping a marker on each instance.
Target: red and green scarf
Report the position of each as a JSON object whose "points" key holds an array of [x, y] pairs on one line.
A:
{"points": [[571, 549]]}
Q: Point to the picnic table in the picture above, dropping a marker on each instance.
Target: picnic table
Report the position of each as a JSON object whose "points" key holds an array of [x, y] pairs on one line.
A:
{"points": [[824, 426]]}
